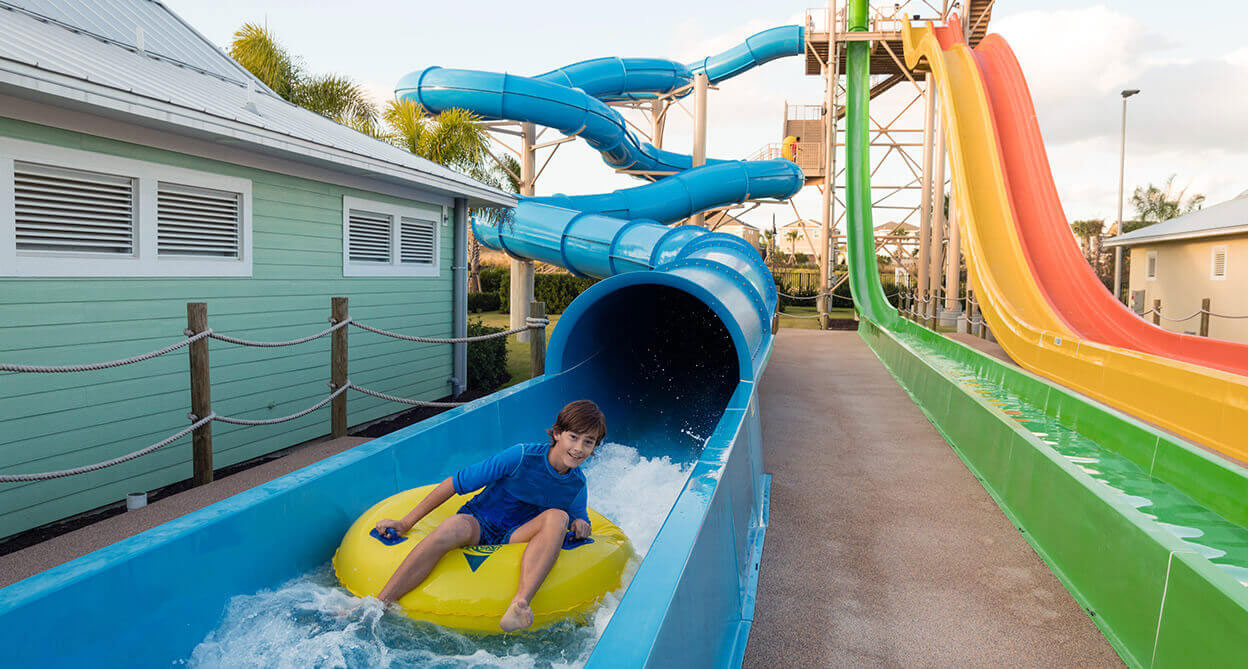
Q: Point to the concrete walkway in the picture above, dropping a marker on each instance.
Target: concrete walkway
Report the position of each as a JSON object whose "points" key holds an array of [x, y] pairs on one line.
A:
{"points": [[883, 549], [58, 550]]}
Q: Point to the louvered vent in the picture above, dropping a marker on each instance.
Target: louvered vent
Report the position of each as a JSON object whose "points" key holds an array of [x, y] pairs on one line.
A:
{"points": [[369, 236], [194, 221], [1219, 262], [1151, 265], [73, 211], [417, 241]]}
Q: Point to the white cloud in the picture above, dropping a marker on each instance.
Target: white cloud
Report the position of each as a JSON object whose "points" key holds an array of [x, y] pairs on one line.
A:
{"points": [[1186, 121]]}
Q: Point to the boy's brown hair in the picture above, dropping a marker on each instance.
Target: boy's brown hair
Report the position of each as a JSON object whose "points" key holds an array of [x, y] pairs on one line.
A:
{"points": [[581, 417]]}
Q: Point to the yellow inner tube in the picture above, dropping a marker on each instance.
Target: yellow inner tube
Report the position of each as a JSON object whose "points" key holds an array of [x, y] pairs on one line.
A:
{"points": [[470, 588], [787, 148]]}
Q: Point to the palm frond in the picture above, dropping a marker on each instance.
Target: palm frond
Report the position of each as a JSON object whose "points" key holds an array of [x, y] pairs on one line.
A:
{"points": [[406, 123], [337, 97], [255, 48]]}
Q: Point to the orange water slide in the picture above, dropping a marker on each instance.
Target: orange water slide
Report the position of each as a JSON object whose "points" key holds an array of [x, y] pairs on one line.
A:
{"points": [[1203, 404], [1066, 279]]}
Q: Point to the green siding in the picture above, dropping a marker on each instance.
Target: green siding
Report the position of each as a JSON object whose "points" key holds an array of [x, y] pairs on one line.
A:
{"points": [[59, 421]]}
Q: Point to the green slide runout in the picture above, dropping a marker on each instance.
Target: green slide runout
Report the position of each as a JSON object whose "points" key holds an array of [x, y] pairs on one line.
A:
{"points": [[1145, 530]]}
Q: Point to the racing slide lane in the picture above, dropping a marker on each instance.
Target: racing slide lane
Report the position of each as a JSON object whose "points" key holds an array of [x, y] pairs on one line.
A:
{"points": [[1208, 406], [1147, 532], [1055, 260]]}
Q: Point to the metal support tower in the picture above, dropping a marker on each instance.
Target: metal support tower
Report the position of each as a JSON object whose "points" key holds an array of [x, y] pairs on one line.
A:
{"points": [[907, 189]]}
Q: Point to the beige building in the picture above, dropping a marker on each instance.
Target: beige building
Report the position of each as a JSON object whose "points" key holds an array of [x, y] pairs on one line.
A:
{"points": [[749, 233], [1183, 261], [805, 238]]}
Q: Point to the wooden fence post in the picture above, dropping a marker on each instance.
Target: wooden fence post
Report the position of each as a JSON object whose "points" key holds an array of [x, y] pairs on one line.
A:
{"points": [[974, 322], [537, 341], [1204, 317], [338, 368], [1156, 312], [201, 393]]}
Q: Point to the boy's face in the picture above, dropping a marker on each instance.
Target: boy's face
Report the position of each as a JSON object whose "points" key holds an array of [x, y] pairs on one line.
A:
{"points": [[572, 448]]}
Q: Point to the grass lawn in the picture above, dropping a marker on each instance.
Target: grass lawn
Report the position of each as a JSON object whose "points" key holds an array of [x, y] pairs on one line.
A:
{"points": [[517, 352], [807, 322]]}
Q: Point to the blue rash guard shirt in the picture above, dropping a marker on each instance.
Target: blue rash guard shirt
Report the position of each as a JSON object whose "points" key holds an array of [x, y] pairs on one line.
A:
{"points": [[519, 484]]}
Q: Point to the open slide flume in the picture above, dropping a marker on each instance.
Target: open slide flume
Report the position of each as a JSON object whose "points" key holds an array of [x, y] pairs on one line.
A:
{"points": [[1067, 280], [1147, 531], [1209, 406]]}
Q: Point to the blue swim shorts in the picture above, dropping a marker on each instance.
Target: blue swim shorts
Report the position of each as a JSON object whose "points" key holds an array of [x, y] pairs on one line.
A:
{"points": [[494, 531]]}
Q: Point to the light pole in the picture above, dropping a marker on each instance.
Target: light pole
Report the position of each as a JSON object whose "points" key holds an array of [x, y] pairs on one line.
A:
{"points": [[1122, 165]]}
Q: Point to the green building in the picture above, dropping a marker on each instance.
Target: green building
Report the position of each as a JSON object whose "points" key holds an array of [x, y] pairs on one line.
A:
{"points": [[143, 169]]}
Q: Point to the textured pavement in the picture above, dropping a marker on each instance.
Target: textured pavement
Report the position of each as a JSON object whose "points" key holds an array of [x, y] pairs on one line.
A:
{"points": [[58, 550], [883, 549]]}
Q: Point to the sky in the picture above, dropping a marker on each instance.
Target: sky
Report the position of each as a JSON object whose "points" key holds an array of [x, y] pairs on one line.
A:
{"points": [[1188, 121]]}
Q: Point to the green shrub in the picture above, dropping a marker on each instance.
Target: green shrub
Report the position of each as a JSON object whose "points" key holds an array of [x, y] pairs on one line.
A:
{"points": [[799, 291], [478, 302], [556, 290], [487, 360], [800, 258], [491, 275]]}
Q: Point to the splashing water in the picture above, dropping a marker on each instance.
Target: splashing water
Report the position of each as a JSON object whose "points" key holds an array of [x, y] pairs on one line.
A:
{"points": [[312, 622]]}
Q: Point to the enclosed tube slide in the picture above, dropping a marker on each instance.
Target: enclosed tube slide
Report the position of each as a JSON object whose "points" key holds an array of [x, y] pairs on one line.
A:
{"points": [[1209, 406], [568, 99], [614, 79], [1064, 275]]}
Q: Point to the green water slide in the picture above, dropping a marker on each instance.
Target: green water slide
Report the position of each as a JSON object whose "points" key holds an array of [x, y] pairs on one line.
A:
{"points": [[1145, 530]]}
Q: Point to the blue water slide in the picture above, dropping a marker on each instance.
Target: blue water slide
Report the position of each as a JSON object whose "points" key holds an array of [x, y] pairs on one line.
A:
{"points": [[573, 99], [571, 111], [612, 79], [680, 195], [671, 344], [764, 47]]}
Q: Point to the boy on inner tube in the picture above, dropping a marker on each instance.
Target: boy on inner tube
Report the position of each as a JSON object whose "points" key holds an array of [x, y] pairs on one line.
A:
{"points": [[533, 493]]}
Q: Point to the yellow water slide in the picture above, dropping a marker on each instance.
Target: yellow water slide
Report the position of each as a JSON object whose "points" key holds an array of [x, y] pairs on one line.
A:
{"points": [[1205, 405]]}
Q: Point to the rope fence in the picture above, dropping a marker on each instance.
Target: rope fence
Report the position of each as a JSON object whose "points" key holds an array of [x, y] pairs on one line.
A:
{"points": [[196, 335]]}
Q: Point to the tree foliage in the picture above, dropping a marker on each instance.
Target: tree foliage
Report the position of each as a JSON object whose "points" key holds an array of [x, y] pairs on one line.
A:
{"points": [[331, 95], [1155, 204]]}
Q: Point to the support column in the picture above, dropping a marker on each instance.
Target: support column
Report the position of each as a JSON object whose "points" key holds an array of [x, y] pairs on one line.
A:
{"points": [[522, 271], [1118, 273], [824, 302], [925, 201], [953, 269], [459, 297], [699, 132], [938, 220], [657, 121]]}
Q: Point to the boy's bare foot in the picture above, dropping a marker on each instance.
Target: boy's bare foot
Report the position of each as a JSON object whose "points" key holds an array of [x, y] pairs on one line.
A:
{"points": [[518, 616]]}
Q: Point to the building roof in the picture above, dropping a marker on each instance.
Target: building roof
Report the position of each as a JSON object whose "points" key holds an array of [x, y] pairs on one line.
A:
{"points": [[894, 227], [137, 61], [1225, 218]]}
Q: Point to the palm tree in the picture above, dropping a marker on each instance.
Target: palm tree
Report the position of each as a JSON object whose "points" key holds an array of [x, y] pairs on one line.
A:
{"points": [[330, 95], [452, 138], [1154, 205], [792, 236], [1085, 230]]}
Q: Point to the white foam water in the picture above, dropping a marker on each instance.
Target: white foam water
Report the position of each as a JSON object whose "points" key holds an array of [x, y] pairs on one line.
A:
{"points": [[312, 622]]}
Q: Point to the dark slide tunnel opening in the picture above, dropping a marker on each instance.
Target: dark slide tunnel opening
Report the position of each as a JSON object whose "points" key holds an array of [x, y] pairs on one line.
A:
{"points": [[660, 363]]}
